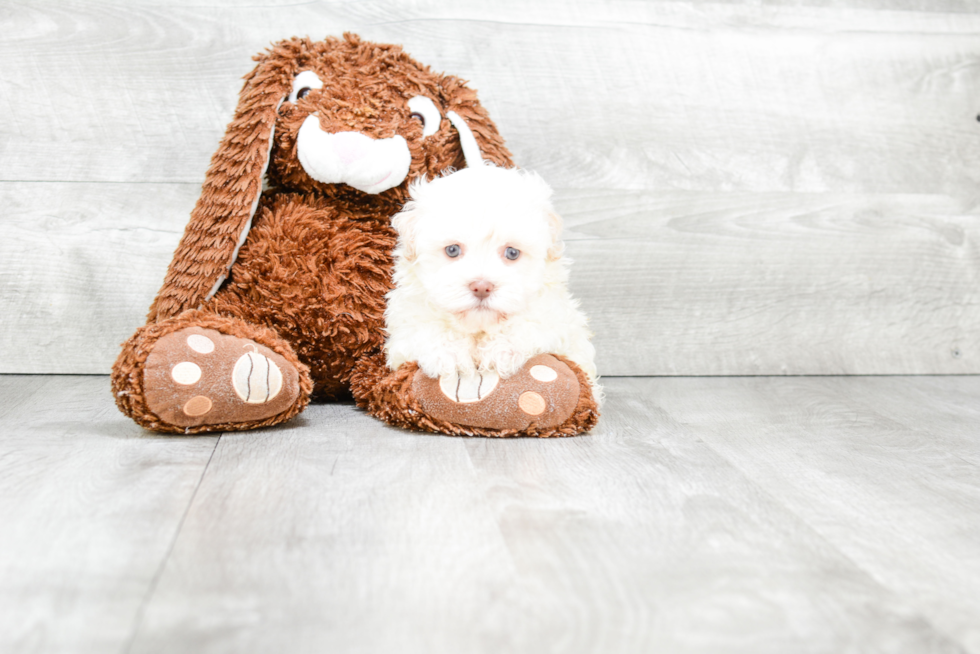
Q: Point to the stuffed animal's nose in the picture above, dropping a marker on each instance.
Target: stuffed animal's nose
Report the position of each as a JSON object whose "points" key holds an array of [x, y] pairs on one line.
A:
{"points": [[481, 288], [351, 146]]}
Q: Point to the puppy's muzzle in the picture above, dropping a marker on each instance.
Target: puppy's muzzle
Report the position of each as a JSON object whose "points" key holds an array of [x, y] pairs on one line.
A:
{"points": [[352, 158]]}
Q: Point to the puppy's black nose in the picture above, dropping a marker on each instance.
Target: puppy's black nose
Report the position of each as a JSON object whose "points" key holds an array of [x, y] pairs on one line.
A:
{"points": [[481, 288]]}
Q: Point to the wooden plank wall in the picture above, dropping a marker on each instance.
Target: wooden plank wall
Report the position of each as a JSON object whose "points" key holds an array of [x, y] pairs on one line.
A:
{"points": [[785, 187]]}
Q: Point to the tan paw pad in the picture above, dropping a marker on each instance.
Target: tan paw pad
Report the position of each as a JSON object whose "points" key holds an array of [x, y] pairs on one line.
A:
{"points": [[197, 406], [200, 344], [531, 403], [256, 379], [186, 373], [197, 376], [469, 388], [543, 373]]}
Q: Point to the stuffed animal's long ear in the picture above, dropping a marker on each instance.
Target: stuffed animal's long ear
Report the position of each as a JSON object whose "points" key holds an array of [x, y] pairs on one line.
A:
{"points": [[222, 217], [463, 101], [471, 149]]}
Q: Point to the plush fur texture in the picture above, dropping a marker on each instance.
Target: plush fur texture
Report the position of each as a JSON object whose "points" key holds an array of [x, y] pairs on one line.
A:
{"points": [[303, 266], [480, 280]]}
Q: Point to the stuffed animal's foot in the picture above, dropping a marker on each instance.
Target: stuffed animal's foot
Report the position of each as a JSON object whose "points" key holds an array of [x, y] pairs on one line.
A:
{"points": [[209, 377], [548, 396], [203, 377], [541, 395]]}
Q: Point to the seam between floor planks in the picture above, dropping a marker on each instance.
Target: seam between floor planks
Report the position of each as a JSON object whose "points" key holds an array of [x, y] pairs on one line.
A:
{"points": [[148, 596]]}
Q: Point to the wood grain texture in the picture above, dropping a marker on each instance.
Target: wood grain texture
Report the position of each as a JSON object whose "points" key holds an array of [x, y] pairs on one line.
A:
{"points": [[884, 469], [79, 266], [339, 533], [89, 507], [675, 283], [686, 283], [709, 96], [785, 514], [776, 188]]}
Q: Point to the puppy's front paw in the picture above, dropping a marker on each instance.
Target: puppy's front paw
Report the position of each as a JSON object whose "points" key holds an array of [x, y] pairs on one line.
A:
{"points": [[447, 362], [502, 359]]}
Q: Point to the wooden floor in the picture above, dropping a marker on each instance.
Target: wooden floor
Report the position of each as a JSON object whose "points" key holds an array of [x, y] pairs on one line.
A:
{"points": [[766, 514]]}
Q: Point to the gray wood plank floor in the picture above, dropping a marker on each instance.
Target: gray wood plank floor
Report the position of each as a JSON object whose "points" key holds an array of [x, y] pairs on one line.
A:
{"points": [[767, 514]]}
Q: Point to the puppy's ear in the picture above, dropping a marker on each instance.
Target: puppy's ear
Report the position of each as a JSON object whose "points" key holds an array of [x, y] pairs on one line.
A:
{"points": [[405, 222], [557, 247], [223, 214]]}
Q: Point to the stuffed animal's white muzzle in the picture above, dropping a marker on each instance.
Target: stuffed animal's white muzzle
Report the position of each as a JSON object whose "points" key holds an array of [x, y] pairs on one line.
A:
{"points": [[352, 158]]}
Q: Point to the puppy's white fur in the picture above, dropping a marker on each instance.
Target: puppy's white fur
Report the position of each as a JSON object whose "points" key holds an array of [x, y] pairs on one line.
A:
{"points": [[435, 318]]}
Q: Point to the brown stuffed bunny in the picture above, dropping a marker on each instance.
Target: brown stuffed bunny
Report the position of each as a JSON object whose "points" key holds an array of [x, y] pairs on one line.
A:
{"points": [[275, 296]]}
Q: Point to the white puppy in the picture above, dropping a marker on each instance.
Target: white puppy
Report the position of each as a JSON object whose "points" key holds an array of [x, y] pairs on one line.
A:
{"points": [[480, 282]]}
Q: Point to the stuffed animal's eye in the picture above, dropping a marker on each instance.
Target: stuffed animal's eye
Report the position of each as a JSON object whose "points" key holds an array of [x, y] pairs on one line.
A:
{"points": [[512, 253], [424, 109], [303, 84], [452, 251]]}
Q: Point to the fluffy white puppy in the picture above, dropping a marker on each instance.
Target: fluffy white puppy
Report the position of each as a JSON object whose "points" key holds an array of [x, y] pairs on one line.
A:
{"points": [[480, 282]]}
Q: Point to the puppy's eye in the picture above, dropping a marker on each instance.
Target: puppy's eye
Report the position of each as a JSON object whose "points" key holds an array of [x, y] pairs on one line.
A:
{"points": [[512, 253], [452, 251], [419, 117], [303, 92]]}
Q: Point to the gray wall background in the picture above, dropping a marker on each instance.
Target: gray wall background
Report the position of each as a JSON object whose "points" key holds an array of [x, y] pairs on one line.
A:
{"points": [[782, 187]]}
